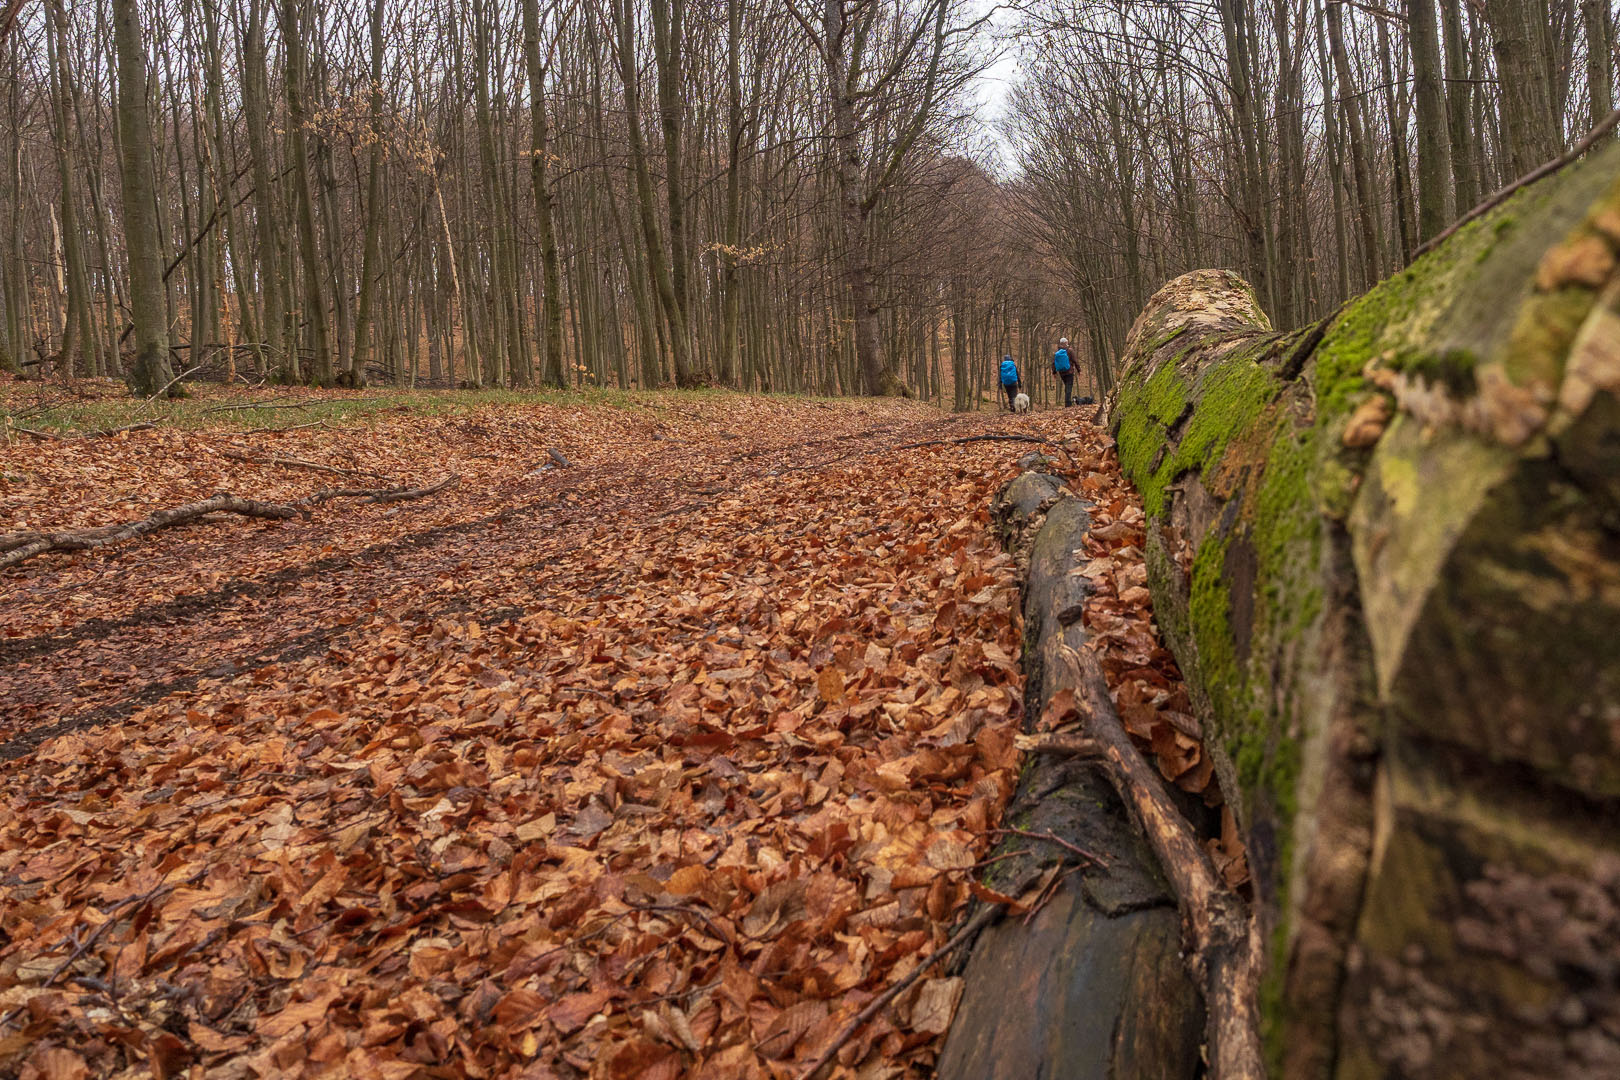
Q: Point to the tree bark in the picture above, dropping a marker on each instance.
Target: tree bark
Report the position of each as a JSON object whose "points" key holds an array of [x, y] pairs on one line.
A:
{"points": [[1599, 28], [1383, 550], [1436, 195], [308, 241], [1529, 133], [539, 176], [371, 256], [148, 304]]}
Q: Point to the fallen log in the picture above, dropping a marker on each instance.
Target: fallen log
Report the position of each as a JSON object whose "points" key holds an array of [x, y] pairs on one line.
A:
{"points": [[1091, 984], [1386, 552]]}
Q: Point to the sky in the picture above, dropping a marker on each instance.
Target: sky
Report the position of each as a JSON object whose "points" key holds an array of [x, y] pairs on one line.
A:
{"points": [[995, 84]]}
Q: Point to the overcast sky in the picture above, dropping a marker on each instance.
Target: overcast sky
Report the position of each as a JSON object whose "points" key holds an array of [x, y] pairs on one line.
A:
{"points": [[995, 83]]}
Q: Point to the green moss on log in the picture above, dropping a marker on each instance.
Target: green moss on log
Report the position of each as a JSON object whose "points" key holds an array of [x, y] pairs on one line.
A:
{"points": [[1402, 590]]}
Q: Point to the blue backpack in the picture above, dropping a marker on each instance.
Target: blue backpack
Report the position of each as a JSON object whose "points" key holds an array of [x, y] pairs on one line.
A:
{"points": [[1009, 372], [1060, 361]]}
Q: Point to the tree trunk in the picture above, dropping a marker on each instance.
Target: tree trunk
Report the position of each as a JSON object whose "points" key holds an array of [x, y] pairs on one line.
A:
{"points": [[1528, 129], [663, 280], [255, 97], [1599, 60], [539, 175], [1361, 171], [1436, 201], [1386, 553], [148, 305], [371, 258], [1459, 106], [308, 245]]}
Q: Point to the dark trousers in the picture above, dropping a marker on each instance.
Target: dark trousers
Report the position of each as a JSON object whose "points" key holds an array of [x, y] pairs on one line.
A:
{"points": [[1068, 387], [1012, 392]]}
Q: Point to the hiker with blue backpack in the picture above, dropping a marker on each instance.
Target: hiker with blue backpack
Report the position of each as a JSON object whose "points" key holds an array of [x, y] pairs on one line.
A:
{"points": [[1011, 381], [1063, 368]]}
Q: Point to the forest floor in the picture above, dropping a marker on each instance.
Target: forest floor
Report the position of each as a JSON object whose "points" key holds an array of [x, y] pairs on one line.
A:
{"points": [[664, 762]]}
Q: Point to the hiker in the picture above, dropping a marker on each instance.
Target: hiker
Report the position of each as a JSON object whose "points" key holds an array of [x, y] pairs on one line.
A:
{"points": [[1063, 368], [1011, 383]]}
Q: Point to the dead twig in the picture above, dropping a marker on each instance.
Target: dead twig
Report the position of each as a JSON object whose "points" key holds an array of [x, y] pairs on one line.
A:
{"points": [[278, 430], [973, 439], [270, 405], [102, 433], [1053, 838], [295, 463], [164, 389], [984, 918], [1223, 942], [88, 943], [380, 495]]}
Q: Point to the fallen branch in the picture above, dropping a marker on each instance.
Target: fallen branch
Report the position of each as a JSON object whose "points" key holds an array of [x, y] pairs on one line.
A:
{"points": [[295, 463], [101, 433], [1223, 942], [984, 918], [972, 439], [380, 495], [22, 546]]}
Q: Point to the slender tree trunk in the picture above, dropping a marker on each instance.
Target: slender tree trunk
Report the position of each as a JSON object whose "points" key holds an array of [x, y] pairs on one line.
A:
{"points": [[1361, 170], [149, 307], [1459, 107], [539, 175], [1599, 28], [78, 326], [1436, 195], [1528, 127], [276, 348], [371, 258], [308, 242]]}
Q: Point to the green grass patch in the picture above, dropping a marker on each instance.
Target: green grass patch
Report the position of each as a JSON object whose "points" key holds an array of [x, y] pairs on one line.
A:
{"points": [[92, 407]]}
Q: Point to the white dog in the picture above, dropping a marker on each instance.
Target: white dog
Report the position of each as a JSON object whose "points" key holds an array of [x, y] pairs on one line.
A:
{"points": [[1021, 403]]}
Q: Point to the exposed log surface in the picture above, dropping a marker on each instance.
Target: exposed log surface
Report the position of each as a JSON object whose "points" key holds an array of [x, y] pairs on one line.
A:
{"points": [[1092, 983], [1386, 552]]}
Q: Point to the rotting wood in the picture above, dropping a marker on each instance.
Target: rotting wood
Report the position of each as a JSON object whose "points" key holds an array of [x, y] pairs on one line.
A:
{"points": [[1223, 941], [1384, 551]]}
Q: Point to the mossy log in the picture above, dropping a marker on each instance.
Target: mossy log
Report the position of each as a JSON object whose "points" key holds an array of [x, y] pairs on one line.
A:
{"points": [[1386, 551]]}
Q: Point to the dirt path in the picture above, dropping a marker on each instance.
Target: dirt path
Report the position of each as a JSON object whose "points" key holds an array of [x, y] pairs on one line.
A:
{"points": [[285, 606], [661, 764]]}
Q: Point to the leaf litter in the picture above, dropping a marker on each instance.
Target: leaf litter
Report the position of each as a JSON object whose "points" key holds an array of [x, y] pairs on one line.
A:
{"points": [[709, 780]]}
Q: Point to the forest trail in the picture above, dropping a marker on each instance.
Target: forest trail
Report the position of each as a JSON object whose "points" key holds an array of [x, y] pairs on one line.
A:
{"points": [[93, 639], [663, 762]]}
